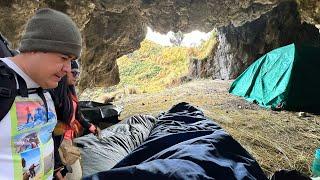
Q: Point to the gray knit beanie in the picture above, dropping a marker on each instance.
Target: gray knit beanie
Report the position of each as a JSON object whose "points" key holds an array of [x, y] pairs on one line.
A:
{"points": [[51, 31]]}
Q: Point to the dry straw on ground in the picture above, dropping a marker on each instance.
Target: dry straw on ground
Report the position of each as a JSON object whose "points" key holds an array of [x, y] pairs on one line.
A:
{"points": [[278, 140]]}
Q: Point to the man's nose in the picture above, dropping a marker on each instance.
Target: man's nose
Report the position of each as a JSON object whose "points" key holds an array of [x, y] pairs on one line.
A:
{"points": [[66, 67]]}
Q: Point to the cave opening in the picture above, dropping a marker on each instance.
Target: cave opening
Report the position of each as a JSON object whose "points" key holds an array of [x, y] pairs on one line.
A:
{"points": [[162, 61]]}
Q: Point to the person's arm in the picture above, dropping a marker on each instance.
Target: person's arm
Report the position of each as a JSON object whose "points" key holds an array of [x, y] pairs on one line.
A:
{"points": [[57, 141], [85, 123], [82, 120]]}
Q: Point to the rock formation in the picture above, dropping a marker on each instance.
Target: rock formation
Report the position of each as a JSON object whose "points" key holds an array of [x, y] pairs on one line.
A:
{"points": [[239, 46], [112, 28]]}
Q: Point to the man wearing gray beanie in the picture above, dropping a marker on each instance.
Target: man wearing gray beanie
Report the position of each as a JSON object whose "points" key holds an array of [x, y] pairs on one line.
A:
{"points": [[51, 31], [49, 43]]}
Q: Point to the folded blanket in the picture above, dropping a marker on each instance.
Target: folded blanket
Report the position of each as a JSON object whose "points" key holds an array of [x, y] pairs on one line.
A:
{"points": [[184, 144]]}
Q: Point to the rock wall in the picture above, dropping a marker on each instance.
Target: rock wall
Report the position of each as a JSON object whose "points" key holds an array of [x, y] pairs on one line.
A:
{"points": [[108, 36], [112, 28], [239, 46]]}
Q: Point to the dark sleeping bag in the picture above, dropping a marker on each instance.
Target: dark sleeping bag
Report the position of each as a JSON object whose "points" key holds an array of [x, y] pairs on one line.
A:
{"points": [[184, 144]]}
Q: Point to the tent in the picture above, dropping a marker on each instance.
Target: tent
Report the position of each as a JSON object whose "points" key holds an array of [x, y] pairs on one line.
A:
{"points": [[285, 78]]}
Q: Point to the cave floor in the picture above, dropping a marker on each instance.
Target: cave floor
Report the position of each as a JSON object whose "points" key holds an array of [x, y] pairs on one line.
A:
{"points": [[277, 140]]}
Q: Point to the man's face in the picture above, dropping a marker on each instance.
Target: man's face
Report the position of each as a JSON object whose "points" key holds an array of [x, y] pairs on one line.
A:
{"points": [[47, 69]]}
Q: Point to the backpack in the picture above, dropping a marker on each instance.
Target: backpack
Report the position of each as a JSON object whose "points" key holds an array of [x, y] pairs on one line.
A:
{"points": [[4, 48], [8, 85]]}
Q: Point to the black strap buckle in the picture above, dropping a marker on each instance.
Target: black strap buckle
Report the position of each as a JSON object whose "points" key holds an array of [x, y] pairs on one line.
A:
{"points": [[5, 92]]}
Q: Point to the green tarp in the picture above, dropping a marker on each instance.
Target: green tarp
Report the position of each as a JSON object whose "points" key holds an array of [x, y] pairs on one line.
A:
{"points": [[285, 78]]}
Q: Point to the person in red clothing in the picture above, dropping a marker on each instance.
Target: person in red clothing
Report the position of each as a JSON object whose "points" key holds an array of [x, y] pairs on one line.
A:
{"points": [[29, 115], [70, 122]]}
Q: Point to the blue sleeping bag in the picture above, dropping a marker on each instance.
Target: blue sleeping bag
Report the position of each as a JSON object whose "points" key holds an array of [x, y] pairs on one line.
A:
{"points": [[184, 144]]}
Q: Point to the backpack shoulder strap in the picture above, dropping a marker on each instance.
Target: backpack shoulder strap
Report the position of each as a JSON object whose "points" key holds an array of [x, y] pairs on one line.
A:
{"points": [[4, 47], [8, 84], [8, 89]]}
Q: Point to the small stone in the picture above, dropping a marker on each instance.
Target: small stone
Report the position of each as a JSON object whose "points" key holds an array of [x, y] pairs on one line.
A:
{"points": [[302, 114], [227, 112], [142, 104]]}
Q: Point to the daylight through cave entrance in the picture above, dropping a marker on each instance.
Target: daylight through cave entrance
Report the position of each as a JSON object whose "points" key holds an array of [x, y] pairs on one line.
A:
{"points": [[162, 60]]}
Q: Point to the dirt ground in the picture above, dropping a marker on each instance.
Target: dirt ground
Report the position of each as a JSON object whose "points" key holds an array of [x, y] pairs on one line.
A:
{"points": [[278, 140]]}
